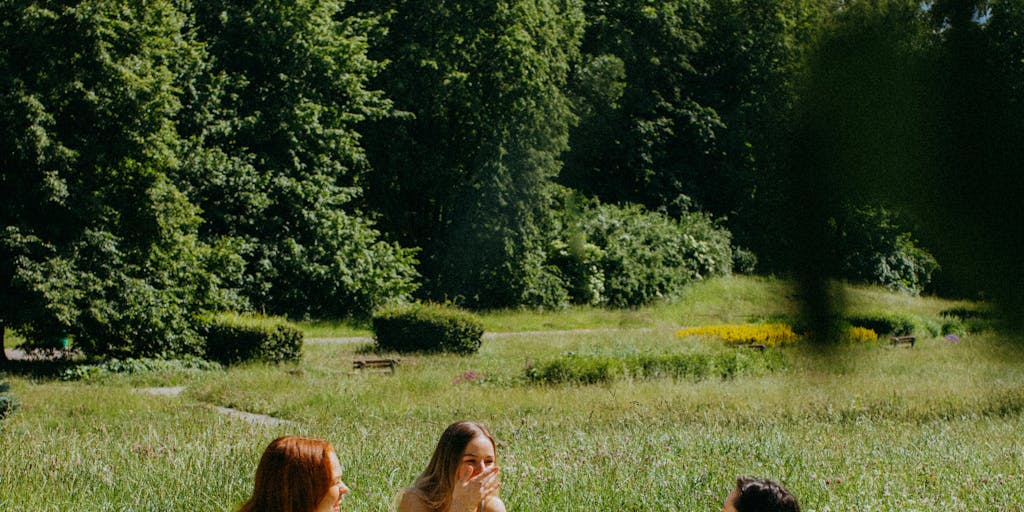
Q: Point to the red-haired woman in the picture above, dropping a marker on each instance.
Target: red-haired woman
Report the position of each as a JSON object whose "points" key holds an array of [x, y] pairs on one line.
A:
{"points": [[297, 474], [461, 475]]}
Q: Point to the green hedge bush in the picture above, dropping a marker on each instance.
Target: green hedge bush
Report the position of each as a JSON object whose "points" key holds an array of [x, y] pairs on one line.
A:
{"points": [[883, 323], [427, 328], [234, 338], [962, 320], [603, 368]]}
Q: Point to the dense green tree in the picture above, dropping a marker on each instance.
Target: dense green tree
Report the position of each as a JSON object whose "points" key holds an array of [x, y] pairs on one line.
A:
{"points": [[682, 102], [276, 158], [919, 107], [97, 242], [643, 133], [973, 184], [465, 173]]}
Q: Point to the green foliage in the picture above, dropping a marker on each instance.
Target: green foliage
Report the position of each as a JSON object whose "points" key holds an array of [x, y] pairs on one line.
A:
{"points": [[427, 328], [684, 106], [233, 338], [642, 131], [872, 247], [962, 320], [7, 402], [132, 366], [628, 256], [465, 175], [602, 369], [884, 323], [274, 156], [744, 261], [97, 242], [946, 155]]}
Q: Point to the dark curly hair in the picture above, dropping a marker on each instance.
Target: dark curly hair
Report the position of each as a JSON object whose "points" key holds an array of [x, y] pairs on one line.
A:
{"points": [[761, 495]]}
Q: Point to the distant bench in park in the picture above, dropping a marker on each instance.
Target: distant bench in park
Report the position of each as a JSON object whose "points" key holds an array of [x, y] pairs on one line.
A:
{"points": [[375, 364], [903, 340]]}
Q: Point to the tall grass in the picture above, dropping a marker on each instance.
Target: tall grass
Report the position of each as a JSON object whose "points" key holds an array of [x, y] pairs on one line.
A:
{"points": [[865, 427]]}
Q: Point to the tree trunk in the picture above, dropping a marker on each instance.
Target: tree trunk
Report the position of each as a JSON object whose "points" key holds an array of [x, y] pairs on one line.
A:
{"points": [[3, 351]]}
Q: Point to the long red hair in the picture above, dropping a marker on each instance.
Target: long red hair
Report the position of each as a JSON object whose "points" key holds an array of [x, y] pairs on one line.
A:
{"points": [[293, 476]]}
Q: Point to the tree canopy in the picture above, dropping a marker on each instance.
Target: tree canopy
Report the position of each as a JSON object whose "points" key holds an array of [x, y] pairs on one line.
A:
{"points": [[162, 160]]}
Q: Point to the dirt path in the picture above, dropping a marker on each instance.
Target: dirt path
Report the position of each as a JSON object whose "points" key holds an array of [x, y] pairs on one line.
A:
{"points": [[256, 419]]}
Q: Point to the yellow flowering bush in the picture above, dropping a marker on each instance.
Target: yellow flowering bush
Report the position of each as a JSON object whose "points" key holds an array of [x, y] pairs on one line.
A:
{"points": [[862, 335], [769, 335]]}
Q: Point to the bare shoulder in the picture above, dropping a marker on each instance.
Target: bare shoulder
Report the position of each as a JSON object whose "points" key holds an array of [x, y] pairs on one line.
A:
{"points": [[494, 505], [413, 500]]}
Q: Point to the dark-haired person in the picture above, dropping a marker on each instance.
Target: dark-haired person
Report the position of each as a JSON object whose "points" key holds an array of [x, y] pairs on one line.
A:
{"points": [[759, 495], [461, 475], [297, 474]]}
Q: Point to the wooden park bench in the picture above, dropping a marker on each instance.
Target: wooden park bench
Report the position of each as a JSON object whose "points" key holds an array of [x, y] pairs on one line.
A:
{"points": [[375, 364], [903, 340]]}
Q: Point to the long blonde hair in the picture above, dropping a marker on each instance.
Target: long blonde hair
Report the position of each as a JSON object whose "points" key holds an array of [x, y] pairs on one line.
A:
{"points": [[438, 479]]}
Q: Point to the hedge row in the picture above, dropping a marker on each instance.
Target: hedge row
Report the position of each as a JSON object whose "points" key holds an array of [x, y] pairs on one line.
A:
{"points": [[597, 368], [883, 323]]}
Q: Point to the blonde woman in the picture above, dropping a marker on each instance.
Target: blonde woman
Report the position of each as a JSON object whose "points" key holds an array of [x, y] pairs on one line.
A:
{"points": [[461, 476]]}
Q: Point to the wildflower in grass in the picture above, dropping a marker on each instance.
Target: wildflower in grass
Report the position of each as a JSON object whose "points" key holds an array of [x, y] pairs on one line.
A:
{"points": [[769, 335], [469, 376]]}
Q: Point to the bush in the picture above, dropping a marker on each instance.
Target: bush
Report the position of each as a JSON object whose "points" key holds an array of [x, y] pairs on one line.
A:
{"points": [[874, 248], [883, 323], [962, 320], [604, 368], [233, 338], [861, 335], [7, 403], [133, 366], [769, 335], [626, 256], [744, 261], [427, 328]]}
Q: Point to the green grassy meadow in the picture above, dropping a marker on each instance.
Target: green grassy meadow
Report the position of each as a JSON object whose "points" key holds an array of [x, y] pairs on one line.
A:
{"points": [[862, 428]]}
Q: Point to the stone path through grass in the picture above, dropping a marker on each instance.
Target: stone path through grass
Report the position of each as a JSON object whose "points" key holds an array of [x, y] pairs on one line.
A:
{"points": [[256, 419]]}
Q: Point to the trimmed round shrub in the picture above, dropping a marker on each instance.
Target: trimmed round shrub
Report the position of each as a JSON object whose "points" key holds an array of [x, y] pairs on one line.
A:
{"points": [[234, 338], [427, 328]]}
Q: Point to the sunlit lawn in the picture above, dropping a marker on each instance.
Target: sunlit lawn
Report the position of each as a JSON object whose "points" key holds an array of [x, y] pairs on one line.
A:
{"points": [[936, 427]]}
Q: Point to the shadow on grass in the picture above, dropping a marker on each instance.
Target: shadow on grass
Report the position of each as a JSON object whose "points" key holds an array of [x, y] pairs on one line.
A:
{"points": [[43, 365]]}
